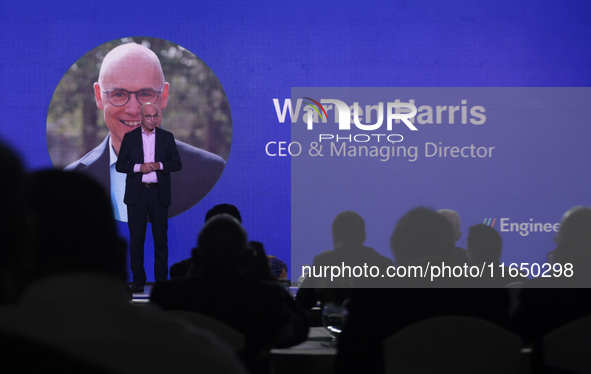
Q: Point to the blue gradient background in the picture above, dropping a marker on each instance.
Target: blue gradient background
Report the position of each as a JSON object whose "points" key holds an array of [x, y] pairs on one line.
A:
{"points": [[260, 50]]}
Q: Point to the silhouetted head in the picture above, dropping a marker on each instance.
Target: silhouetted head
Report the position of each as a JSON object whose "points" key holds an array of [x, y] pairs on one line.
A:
{"points": [[574, 236], [223, 209], [484, 244], [278, 267], [221, 244], [422, 234], [348, 228], [454, 219], [258, 262], [77, 232]]}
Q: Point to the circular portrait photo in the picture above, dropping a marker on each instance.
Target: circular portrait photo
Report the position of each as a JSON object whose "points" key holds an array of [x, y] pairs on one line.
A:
{"points": [[104, 96]]}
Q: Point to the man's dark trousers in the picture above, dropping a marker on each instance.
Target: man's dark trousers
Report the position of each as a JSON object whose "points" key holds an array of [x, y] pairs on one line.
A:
{"points": [[148, 204]]}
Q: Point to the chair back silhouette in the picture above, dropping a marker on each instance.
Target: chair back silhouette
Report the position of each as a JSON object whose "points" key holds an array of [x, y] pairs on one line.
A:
{"points": [[568, 347], [224, 332], [455, 345]]}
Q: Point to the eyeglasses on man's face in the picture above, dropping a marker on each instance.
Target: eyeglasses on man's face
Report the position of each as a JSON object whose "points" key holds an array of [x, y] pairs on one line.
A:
{"points": [[151, 117], [120, 96]]}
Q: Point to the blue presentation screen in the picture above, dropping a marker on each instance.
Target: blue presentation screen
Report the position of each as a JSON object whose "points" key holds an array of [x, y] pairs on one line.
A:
{"points": [[499, 88]]}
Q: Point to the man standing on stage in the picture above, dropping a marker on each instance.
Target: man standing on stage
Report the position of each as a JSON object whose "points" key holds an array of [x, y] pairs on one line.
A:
{"points": [[131, 75], [148, 155]]}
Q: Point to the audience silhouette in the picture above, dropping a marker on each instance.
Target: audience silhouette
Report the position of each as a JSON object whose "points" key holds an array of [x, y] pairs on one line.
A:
{"points": [[348, 236], [77, 300], [278, 267], [546, 303], [15, 228], [64, 298], [420, 237], [218, 287], [18, 232], [454, 218], [259, 264], [484, 248], [184, 267]]}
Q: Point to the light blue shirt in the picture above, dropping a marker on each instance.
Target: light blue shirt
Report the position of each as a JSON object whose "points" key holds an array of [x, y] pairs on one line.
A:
{"points": [[117, 188]]}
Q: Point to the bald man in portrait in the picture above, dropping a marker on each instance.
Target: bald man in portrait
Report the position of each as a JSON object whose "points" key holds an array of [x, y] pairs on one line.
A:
{"points": [[131, 75]]}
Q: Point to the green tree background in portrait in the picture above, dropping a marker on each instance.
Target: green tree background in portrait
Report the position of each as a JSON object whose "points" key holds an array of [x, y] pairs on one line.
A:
{"points": [[198, 112]]}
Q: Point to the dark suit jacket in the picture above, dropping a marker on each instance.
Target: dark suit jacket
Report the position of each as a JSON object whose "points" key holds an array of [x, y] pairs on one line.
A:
{"points": [[201, 170], [132, 153]]}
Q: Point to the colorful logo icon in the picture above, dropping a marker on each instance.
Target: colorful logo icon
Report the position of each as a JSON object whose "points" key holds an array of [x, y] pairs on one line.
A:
{"points": [[490, 222], [316, 109]]}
